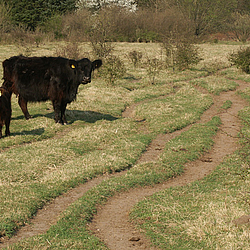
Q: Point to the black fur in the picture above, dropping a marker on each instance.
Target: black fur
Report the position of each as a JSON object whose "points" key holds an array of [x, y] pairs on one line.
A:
{"points": [[36, 79], [5, 111]]}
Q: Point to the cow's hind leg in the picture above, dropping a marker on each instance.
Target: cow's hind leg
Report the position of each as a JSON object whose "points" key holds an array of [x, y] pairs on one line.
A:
{"points": [[57, 110], [23, 105], [1, 126], [7, 127], [63, 116]]}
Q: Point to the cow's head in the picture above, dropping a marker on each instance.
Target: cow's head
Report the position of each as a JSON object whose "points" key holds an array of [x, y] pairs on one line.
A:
{"points": [[85, 68]]}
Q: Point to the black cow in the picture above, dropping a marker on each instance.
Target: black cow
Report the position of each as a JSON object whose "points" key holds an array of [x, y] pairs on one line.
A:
{"points": [[36, 79], [5, 111]]}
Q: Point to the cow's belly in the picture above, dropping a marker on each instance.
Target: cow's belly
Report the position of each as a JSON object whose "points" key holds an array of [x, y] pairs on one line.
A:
{"points": [[33, 93]]}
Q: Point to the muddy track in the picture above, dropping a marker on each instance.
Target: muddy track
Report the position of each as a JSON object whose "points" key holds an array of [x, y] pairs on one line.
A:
{"points": [[111, 222]]}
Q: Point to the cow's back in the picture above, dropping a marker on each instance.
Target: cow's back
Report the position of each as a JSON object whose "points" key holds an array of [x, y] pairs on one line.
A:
{"points": [[41, 78]]}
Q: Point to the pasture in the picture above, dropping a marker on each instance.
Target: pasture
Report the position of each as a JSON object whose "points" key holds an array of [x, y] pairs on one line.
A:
{"points": [[42, 160]]}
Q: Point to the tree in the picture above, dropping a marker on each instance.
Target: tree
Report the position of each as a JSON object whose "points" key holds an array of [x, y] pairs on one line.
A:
{"points": [[206, 15], [240, 26], [4, 16], [32, 13]]}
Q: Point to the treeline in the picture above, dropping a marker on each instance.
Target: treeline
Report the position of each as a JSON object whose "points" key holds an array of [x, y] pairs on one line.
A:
{"points": [[122, 20]]}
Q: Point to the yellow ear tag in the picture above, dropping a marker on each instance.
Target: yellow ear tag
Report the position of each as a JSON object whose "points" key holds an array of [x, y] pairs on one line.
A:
{"points": [[0, 93], [73, 66]]}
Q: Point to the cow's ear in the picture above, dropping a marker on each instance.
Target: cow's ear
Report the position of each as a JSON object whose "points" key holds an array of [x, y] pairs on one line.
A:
{"points": [[96, 64]]}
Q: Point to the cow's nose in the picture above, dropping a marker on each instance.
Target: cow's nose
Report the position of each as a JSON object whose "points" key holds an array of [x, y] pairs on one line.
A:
{"points": [[86, 79]]}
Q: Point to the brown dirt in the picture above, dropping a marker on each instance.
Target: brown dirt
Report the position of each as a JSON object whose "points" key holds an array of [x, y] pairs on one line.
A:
{"points": [[111, 224]]}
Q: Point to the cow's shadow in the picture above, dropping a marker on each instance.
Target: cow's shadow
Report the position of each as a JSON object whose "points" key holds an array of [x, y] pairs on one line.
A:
{"points": [[87, 116], [38, 131], [75, 115]]}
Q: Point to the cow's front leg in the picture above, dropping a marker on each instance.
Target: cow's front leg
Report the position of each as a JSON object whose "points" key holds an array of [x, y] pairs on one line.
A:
{"points": [[23, 105], [7, 127], [63, 109], [1, 126], [57, 110]]}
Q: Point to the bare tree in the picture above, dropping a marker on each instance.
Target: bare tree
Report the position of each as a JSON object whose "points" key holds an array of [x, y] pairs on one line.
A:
{"points": [[240, 26], [206, 15]]}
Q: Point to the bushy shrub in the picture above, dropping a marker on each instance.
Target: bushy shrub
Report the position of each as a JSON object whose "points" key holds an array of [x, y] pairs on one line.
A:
{"points": [[241, 59], [101, 48], [187, 55], [153, 67], [113, 68], [77, 26], [70, 50], [135, 57], [99, 37], [181, 55]]}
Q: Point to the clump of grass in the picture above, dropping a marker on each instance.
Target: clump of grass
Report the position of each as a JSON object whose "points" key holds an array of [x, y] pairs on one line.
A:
{"points": [[201, 212], [227, 104], [214, 65], [42, 171]]}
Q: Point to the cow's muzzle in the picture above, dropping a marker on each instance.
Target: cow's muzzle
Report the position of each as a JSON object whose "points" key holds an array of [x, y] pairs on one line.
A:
{"points": [[86, 80]]}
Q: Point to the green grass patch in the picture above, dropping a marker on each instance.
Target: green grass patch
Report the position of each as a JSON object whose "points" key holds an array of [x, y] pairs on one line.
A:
{"points": [[226, 105], [175, 111], [43, 170], [235, 74], [215, 84], [71, 232], [245, 93]]}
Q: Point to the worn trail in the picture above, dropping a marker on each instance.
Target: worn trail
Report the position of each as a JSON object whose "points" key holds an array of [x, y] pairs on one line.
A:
{"points": [[50, 214], [111, 224]]}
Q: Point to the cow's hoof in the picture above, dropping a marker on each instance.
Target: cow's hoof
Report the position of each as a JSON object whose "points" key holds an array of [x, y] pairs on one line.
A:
{"points": [[60, 122]]}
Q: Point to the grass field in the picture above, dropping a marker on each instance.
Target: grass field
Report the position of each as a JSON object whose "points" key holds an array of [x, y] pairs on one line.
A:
{"points": [[41, 160]]}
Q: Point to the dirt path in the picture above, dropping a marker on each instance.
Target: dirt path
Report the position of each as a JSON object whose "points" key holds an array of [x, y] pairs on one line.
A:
{"points": [[111, 223]]}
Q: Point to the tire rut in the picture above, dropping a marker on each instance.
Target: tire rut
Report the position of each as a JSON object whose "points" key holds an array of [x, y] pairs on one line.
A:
{"points": [[111, 224], [50, 213]]}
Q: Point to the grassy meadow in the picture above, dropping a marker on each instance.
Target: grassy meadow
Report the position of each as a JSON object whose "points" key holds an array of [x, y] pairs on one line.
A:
{"points": [[42, 160]]}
